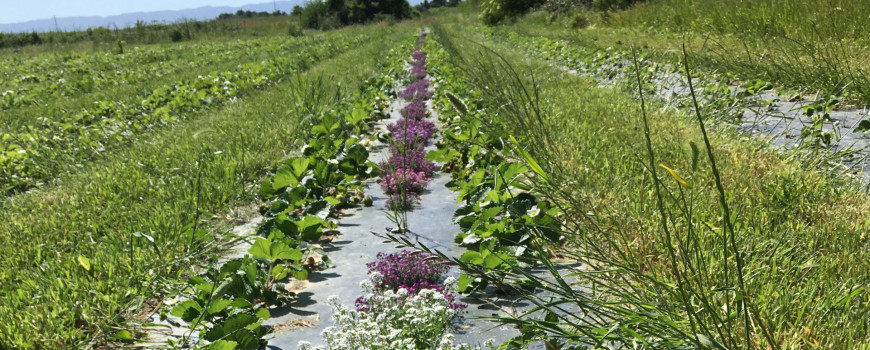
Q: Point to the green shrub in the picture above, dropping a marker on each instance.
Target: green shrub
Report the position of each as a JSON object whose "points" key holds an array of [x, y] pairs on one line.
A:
{"points": [[176, 36], [495, 11], [295, 30], [578, 21]]}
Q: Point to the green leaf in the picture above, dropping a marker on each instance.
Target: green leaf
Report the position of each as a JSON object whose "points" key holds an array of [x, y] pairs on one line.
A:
{"points": [[124, 336], [493, 260], [283, 251], [288, 175], [531, 161], [320, 209], [358, 154], [471, 257], [299, 273], [511, 171], [263, 313], [241, 303], [279, 272], [710, 342], [262, 249], [310, 228], [272, 251], [84, 262], [230, 325], [218, 305], [245, 338], [463, 282], [863, 126], [223, 345], [187, 310]]}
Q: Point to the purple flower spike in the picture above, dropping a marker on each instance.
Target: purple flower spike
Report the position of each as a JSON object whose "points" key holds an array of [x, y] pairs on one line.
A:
{"points": [[401, 181], [410, 134], [418, 55], [414, 159], [418, 73], [415, 110], [416, 90]]}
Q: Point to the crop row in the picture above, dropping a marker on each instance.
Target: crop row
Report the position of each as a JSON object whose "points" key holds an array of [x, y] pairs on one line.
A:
{"points": [[33, 80], [304, 193], [406, 302], [29, 158], [502, 220]]}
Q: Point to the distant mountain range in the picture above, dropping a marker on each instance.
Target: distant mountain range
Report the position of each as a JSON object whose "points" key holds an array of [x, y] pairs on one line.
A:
{"points": [[129, 19]]}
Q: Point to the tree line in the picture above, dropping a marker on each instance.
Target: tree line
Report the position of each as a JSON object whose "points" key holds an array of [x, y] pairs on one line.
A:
{"points": [[315, 14]]}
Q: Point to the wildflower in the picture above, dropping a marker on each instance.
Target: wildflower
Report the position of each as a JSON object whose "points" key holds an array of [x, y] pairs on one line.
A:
{"points": [[404, 181], [406, 269], [415, 110], [410, 133], [413, 159], [416, 90], [533, 211]]}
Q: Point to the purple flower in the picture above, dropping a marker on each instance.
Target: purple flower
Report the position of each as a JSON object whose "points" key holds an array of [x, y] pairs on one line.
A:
{"points": [[418, 64], [415, 110], [416, 90], [402, 201], [418, 55], [407, 268], [413, 271], [418, 73], [414, 159], [410, 133], [398, 181]]}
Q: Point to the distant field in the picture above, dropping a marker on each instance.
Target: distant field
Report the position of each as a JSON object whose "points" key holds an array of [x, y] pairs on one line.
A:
{"points": [[100, 100]]}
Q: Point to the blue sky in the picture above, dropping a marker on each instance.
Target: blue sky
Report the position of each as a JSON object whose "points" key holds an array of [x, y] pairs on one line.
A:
{"points": [[14, 11]]}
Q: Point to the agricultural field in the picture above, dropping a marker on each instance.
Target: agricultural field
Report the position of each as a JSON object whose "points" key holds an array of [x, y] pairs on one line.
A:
{"points": [[609, 174]]}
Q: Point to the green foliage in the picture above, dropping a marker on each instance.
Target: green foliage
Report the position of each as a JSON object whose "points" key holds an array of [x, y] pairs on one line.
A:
{"points": [[653, 255], [229, 304], [33, 153], [295, 30], [330, 14], [819, 112], [495, 11], [176, 36], [142, 215], [502, 222], [305, 191]]}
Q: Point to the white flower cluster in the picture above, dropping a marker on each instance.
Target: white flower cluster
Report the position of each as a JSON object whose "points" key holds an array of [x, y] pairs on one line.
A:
{"points": [[393, 320]]}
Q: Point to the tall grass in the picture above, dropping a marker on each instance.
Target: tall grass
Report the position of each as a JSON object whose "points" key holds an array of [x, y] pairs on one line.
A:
{"points": [[744, 250], [832, 19], [817, 44], [800, 45]]}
